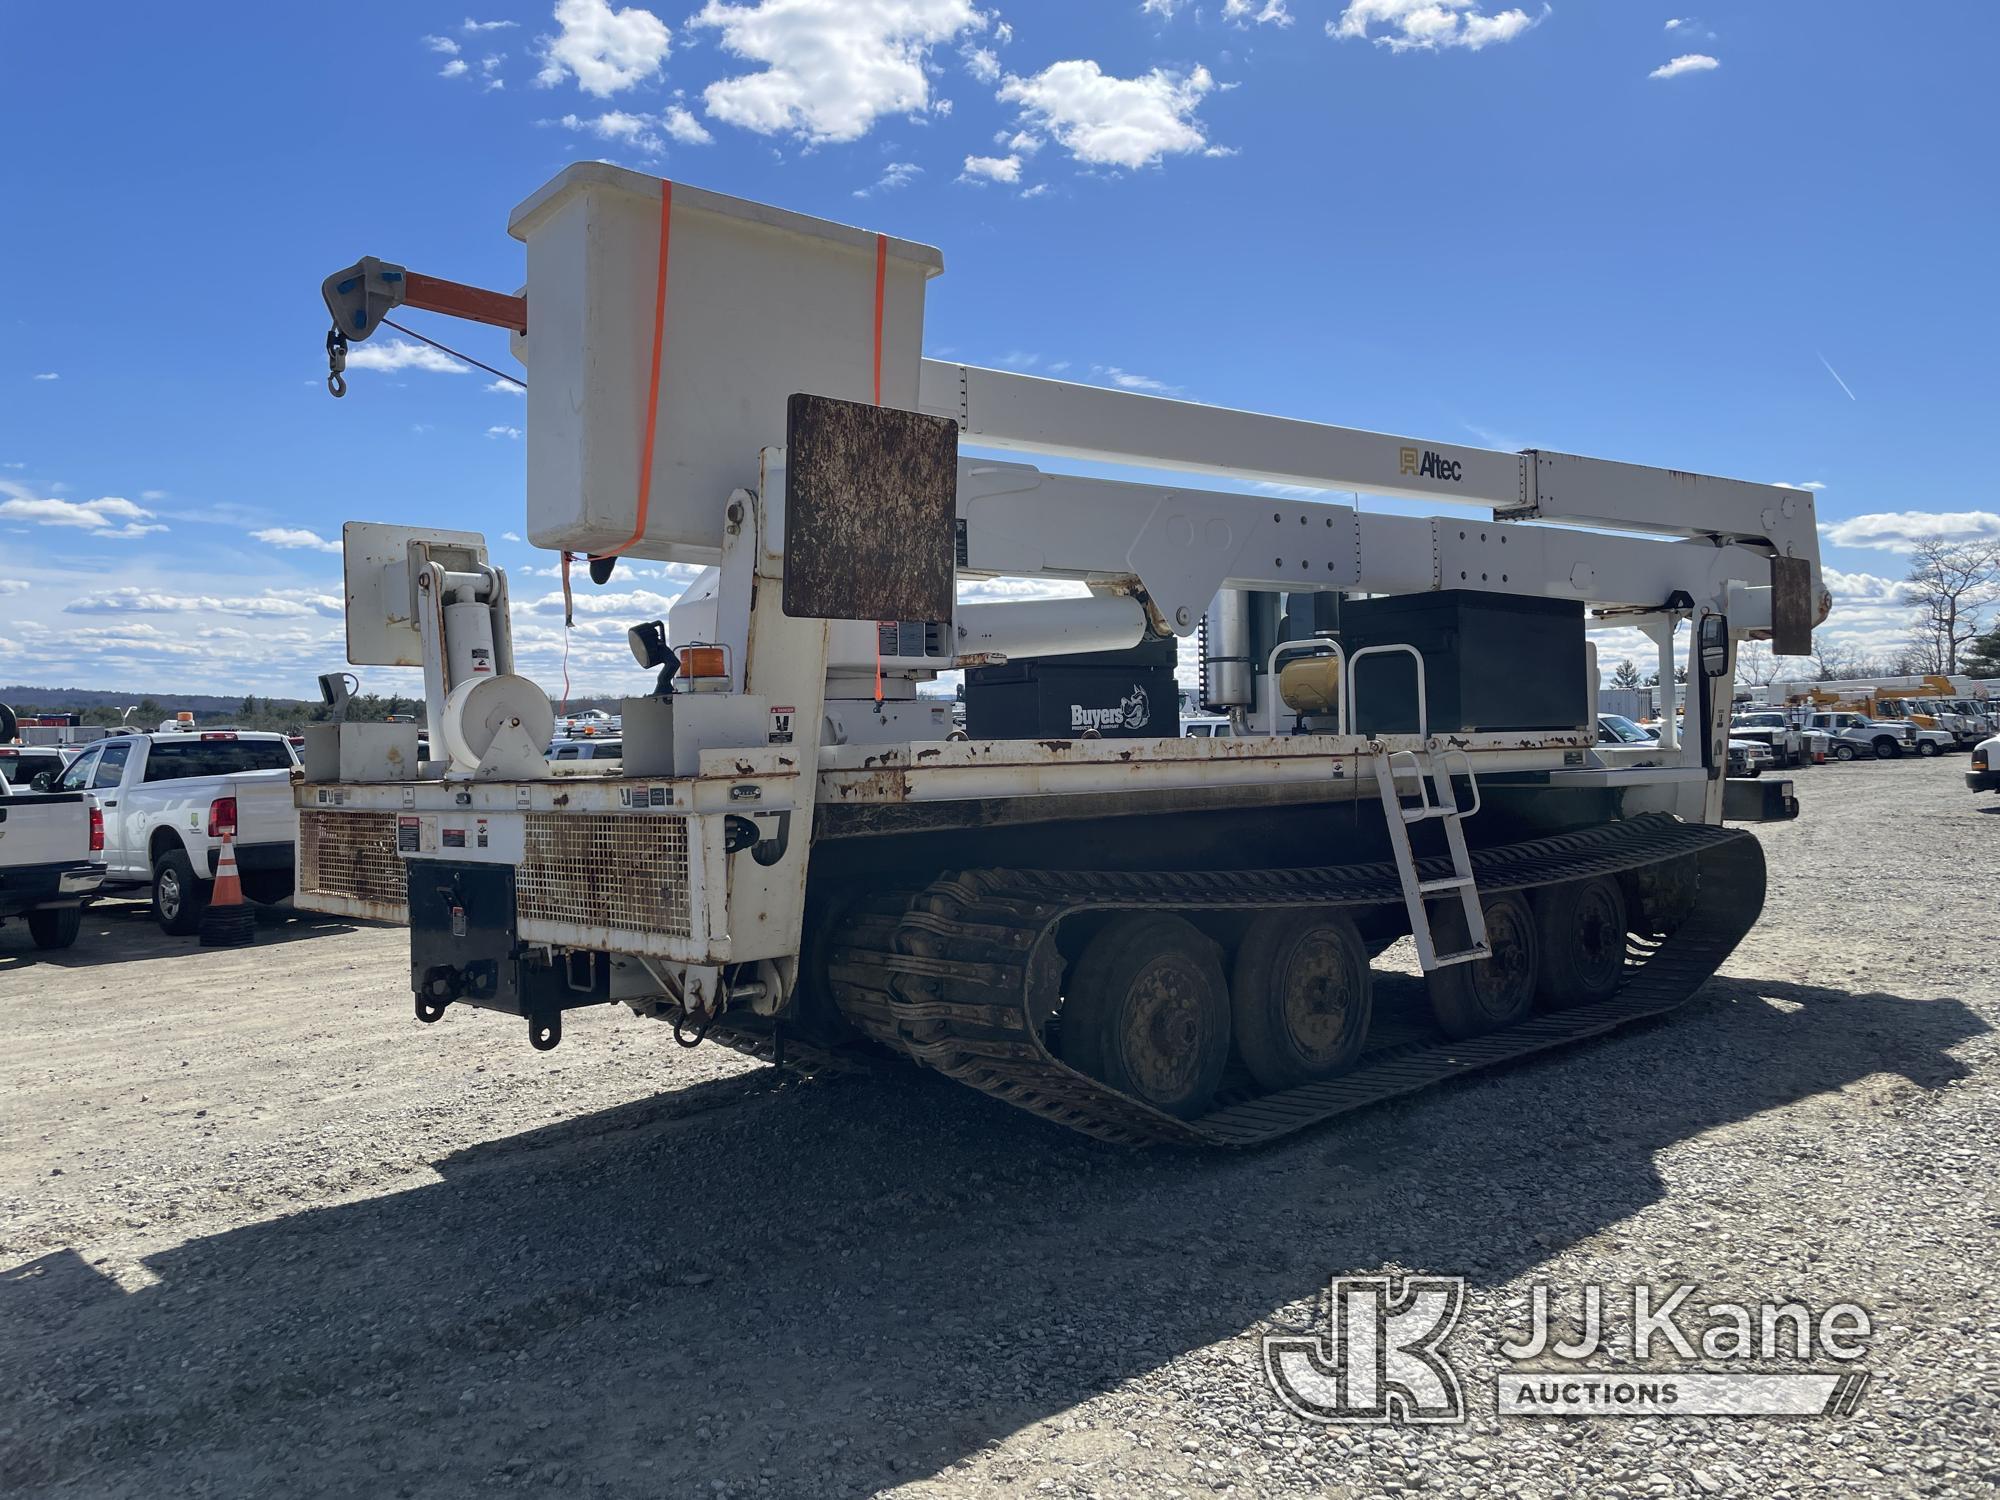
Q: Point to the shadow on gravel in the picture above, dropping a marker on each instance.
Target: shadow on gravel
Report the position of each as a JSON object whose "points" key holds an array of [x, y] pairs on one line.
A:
{"points": [[841, 1284], [121, 931]]}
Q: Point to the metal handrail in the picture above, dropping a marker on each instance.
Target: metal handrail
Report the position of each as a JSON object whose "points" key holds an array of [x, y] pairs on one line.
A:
{"points": [[1347, 693]]}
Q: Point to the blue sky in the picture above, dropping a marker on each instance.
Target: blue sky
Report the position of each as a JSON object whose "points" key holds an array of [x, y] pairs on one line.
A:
{"points": [[1472, 222]]}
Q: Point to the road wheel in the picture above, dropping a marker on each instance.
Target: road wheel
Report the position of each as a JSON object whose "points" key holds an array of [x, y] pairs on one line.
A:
{"points": [[1580, 930], [178, 897], [55, 926], [1888, 749], [1301, 997], [1843, 752], [1926, 749], [1146, 1010], [1487, 994]]}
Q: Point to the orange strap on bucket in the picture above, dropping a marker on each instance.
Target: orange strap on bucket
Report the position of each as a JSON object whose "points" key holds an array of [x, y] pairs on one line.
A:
{"points": [[652, 415], [881, 274]]}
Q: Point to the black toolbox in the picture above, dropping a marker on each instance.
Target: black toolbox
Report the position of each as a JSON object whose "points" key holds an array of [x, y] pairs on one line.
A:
{"points": [[1131, 694], [1493, 662]]}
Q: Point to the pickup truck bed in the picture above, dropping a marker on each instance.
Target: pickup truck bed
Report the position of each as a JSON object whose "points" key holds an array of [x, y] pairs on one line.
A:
{"points": [[47, 864]]}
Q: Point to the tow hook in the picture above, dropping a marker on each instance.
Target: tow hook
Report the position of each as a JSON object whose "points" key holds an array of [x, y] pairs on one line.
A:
{"points": [[442, 985]]}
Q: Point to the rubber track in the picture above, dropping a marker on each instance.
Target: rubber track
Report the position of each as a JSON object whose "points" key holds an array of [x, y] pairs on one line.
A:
{"points": [[941, 974]]}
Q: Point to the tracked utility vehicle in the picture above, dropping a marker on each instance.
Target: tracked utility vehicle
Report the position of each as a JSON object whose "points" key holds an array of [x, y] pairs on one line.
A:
{"points": [[1137, 934]]}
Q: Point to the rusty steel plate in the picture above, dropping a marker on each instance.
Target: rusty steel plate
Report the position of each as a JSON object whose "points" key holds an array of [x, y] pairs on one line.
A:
{"points": [[871, 509], [1791, 607]]}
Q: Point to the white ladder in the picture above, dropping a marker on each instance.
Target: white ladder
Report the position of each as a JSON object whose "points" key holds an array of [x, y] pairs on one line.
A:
{"points": [[1437, 798]]}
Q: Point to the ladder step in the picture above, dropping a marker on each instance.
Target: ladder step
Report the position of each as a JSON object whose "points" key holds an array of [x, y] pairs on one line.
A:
{"points": [[1465, 956], [1431, 810], [1450, 883]]}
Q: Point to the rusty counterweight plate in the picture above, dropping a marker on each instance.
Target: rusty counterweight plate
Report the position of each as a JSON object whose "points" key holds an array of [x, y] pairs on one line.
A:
{"points": [[1792, 608], [871, 509]]}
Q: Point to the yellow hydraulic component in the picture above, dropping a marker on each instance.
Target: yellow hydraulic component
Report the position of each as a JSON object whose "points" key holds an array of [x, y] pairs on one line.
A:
{"points": [[1311, 684]]}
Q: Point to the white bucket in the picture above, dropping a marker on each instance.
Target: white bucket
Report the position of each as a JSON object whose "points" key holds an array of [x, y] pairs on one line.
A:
{"points": [[760, 303]]}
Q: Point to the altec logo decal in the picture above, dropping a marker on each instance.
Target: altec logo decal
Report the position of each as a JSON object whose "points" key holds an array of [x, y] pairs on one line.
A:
{"points": [[1425, 464]]}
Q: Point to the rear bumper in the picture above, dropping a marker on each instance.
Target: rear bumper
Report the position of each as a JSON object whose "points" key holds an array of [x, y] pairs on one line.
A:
{"points": [[1765, 800], [465, 948], [59, 884], [255, 859]]}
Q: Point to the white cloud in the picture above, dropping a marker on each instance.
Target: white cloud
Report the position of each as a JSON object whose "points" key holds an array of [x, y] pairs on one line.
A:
{"points": [[504, 388], [1126, 380], [1810, 484], [992, 169], [1863, 588], [442, 44], [685, 128], [472, 25], [1897, 530], [1251, 13], [294, 538], [401, 354], [1000, 590], [99, 517], [48, 375], [983, 63], [510, 536], [272, 604], [1687, 62], [897, 174], [1164, 9], [605, 50], [637, 601], [1425, 25], [503, 432], [13, 585], [831, 67], [614, 125], [456, 68], [1107, 121], [644, 133]]}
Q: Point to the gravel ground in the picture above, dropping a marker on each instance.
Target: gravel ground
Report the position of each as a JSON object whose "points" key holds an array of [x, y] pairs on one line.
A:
{"points": [[263, 1233]]}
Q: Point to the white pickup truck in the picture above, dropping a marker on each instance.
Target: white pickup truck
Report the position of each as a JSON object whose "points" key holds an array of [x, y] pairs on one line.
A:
{"points": [[1857, 734], [169, 798], [51, 857]]}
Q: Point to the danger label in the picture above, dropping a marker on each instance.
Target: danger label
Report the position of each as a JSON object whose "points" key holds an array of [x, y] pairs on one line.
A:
{"points": [[781, 725]]}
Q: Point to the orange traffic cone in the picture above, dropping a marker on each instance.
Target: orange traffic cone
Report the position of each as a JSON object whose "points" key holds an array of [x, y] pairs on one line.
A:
{"points": [[228, 921]]}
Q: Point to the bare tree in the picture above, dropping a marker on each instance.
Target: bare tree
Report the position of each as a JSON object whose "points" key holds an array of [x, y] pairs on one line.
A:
{"points": [[1950, 585], [1834, 662], [1755, 665]]}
